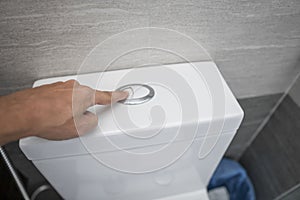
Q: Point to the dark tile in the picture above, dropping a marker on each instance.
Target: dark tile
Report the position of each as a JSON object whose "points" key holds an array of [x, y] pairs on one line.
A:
{"points": [[295, 91], [273, 160], [292, 194], [257, 108], [241, 140], [234, 152], [244, 134]]}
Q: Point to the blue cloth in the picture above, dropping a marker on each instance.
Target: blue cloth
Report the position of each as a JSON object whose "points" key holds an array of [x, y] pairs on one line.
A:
{"points": [[233, 176]]}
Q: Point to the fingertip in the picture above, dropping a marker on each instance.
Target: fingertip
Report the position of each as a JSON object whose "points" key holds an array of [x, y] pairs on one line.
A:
{"points": [[119, 95], [106, 97]]}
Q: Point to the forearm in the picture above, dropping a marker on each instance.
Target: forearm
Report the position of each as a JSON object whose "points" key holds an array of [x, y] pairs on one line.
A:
{"points": [[13, 122], [47, 111]]}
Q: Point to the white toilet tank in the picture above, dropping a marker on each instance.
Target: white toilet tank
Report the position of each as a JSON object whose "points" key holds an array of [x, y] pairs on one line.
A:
{"points": [[164, 142]]}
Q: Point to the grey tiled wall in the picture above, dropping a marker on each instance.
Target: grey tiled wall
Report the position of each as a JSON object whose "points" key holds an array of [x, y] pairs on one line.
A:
{"points": [[256, 44]]}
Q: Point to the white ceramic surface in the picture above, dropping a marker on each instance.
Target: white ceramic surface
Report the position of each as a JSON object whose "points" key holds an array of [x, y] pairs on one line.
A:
{"points": [[74, 166]]}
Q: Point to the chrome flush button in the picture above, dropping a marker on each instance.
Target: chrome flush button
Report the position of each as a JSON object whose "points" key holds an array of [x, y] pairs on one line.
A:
{"points": [[138, 93]]}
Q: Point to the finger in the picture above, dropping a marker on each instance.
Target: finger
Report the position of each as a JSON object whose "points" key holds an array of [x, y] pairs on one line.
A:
{"points": [[106, 97]]}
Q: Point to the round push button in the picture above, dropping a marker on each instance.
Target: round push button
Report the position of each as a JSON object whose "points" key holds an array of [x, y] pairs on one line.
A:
{"points": [[138, 93]]}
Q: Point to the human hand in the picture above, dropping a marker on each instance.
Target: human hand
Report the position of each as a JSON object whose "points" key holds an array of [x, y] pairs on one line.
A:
{"points": [[50, 111]]}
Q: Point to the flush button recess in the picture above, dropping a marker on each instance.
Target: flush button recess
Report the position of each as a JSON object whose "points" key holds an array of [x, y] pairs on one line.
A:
{"points": [[138, 93]]}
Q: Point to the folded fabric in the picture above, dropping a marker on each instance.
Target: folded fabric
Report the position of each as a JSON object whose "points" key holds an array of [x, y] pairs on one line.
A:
{"points": [[233, 176]]}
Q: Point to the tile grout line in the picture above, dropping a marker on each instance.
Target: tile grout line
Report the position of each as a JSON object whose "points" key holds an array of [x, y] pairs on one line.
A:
{"points": [[292, 189], [267, 118]]}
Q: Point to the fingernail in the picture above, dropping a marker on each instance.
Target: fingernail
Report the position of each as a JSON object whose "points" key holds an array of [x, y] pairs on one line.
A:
{"points": [[119, 95]]}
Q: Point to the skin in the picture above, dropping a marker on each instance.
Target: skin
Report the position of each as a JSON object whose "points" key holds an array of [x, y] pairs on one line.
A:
{"points": [[50, 111]]}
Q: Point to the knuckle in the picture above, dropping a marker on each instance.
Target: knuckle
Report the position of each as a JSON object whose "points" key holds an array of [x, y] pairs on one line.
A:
{"points": [[87, 90], [87, 94], [72, 82]]}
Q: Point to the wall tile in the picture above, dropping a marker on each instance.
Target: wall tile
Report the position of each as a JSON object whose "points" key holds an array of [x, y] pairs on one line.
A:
{"points": [[295, 91], [292, 194], [255, 44], [272, 160], [257, 108], [241, 140]]}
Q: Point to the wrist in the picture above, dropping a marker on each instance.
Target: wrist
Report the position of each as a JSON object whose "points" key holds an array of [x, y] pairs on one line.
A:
{"points": [[14, 124]]}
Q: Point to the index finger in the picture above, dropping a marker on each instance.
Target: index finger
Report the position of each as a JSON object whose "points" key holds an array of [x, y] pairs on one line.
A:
{"points": [[108, 97]]}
